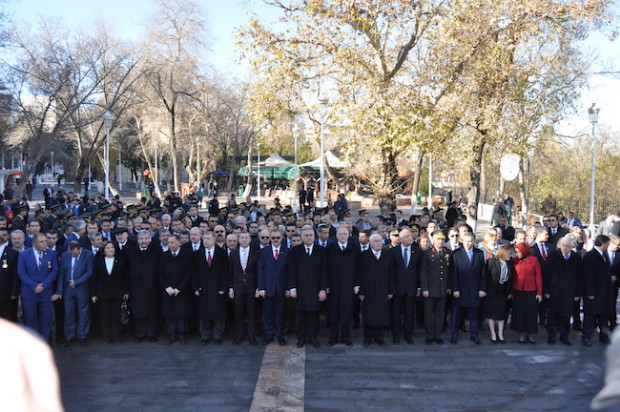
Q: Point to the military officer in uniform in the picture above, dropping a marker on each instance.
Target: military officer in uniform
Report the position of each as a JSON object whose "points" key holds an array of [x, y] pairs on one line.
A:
{"points": [[435, 281]]}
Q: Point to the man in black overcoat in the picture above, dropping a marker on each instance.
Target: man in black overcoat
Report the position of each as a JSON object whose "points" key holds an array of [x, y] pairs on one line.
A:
{"points": [[376, 277], [406, 276], [307, 284], [342, 260], [562, 289], [597, 304], [9, 281], [613, 252], [143, 262], [210, 282], [243, 267], [175, 270]]}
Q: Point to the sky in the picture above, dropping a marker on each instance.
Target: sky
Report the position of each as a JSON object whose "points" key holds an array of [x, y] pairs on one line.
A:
{"points": [[128, 16]]}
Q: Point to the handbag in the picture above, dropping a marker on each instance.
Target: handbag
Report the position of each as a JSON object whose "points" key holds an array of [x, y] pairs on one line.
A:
{"points": [[125, 312]]}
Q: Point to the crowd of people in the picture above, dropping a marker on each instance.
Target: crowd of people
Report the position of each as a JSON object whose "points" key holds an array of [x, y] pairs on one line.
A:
{"points": [[85, 267]]}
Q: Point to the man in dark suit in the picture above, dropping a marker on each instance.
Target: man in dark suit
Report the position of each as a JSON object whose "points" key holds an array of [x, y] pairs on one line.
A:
{"points": [[243, 266], [9, 281], [406, 274], [469, 285], [210, 282], [435, 284], [51, 237], [175, 272], [37, 270], [555, 231], [342, 261], [307, 283], [563, 287], [541, 249], [272, 279], [376, 280], [597, 304], [75, 271], [143, 265]]}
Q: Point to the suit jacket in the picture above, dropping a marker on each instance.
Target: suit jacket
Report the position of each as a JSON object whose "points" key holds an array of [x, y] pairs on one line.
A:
{"points": [[564, 282], [468, 277], [109, 286], [307, 274], [407, 279], [9, 281], [544, 263], [243, 281], [597, 283], [272, 273], [82, 271], [143, 269], [176, 272], [209, 281], [342, 277], [435, 271], [494, 272], [73, 236], [31, 274], [376, 283], [559, 234]]}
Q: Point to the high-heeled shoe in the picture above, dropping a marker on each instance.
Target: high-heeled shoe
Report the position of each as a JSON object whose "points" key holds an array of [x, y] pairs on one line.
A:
{"points": [[521, 339], [493, 340], [501, 340], [531, 340]]}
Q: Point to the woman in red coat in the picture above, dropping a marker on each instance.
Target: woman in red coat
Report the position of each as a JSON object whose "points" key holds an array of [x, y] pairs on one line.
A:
{"points": [[527, 293]]}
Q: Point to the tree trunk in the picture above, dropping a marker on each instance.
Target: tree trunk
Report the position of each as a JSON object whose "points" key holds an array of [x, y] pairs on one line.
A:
{"points": [[473, 194], [416, 180], [386, 192], [248, 184], [173, 151], [483, 178]]}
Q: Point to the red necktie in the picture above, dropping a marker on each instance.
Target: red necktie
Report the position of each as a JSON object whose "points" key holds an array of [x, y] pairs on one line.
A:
{"points": [[40, 259], [277, 254], [543, 252], [209, 259]]}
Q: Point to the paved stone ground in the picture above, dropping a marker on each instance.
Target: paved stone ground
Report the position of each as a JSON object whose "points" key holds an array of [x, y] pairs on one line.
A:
{"points": [[510, 377]]}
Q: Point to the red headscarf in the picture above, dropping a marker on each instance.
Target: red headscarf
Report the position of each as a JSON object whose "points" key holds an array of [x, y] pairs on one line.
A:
{"points": [[524, 248]]}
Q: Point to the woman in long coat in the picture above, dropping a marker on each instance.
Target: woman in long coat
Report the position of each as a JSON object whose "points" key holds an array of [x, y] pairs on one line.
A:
{"points": [[110, 285], [500, 271], [527, 293]]}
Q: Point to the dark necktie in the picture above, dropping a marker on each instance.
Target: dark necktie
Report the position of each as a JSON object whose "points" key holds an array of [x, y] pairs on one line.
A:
{"points": [[406, 257], [543, 252], [40, 260], [209, 259], [308, 251], [343, 248]]}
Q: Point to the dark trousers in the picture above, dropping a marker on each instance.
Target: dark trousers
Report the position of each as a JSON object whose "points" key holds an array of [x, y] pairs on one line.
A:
{"points": [[334, 328], [76, 299], [373, 332], [244, 305], [554, 321], [357, 309], [290, 315], [404, 307], [613, 316], [274, 316], [455, 322], [145, 327], [577, 315], [38, 312], [306, 325], [589, 322], [110, 315], [174, 325], [210, 328], [434, 313], [8, 310], [59, 319], [542, 311]]}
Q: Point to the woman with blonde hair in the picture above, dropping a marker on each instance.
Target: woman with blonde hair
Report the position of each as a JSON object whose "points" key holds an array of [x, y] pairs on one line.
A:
{"points": [[489, 244], [500, 273]]}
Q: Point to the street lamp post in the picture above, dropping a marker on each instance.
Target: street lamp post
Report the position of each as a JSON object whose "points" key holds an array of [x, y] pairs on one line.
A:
{"points": [[323, 102], [197, 162], [108, 119], [430, 181], [258, 173], [593, 116], [296, 136], [120, 180], [52, 167]]}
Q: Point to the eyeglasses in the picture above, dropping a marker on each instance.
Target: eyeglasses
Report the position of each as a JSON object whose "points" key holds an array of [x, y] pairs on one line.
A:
{"points": [[395, 235], [290, 230], [264, 237], [219, 231], [276, 238]]}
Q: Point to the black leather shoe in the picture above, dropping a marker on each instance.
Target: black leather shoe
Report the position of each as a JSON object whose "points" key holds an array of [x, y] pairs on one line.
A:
{"points": [[183, 340], [429, 341], [566, 341], [551, 341], [153, 339], [439, 341], [476, 340], [453, 341], [252, 340], [267, 341], [587, 342], [366, 343], [331, 342], [300, 343], [82, 342], [347, 342], [409, 340], [170, 341], [380, 342], [281, 341], [604, 339], [316, 344], [396, 341], [237, 341], [218, 342], [138, 340]]}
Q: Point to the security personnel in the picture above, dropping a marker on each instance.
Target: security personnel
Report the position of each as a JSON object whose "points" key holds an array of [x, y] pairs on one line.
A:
{"points": [[435, 281]]}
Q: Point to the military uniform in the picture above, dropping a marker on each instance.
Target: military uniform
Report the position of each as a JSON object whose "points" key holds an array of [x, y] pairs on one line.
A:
{"points": [[435, 278]]}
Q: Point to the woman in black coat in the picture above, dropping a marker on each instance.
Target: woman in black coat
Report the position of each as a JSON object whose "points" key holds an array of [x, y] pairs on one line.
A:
{"points": [[499, 286], [110, 286]]}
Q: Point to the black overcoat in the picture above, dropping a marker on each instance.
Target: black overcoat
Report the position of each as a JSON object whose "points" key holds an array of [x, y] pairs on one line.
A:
{"points": [[341, 279], [307, 274], [175, 272], [210, 281], [376, 283], [564, 282], [144, 281], [597, 283]]}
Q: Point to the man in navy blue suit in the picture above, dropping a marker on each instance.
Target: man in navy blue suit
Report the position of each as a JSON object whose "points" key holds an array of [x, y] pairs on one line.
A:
{"points": [[469, 286], [272, 277], [37, 268], [76, 268]]}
